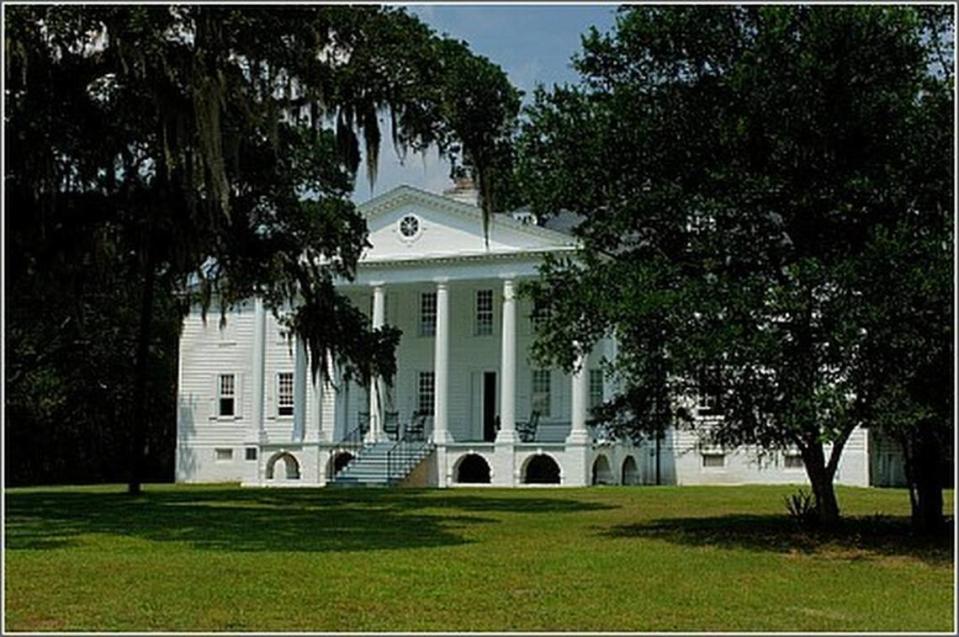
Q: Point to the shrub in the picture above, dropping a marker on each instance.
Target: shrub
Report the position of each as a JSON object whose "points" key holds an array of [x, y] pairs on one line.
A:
{"points": [[801, 507]]}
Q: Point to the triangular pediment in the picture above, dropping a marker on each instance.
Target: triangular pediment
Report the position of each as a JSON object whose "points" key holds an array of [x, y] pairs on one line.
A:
{"points": [[409, 223]]}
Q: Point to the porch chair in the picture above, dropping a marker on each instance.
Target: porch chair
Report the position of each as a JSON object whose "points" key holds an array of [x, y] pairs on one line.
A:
{"points": [[417, 427], [526, 430], [391, 424]]}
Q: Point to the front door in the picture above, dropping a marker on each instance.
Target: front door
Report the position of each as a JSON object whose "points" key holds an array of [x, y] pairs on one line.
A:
{"points": [[489, 406]]}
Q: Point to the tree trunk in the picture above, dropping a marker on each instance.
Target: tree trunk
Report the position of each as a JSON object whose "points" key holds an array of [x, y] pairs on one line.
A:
{"points": [[820, 477], [139, 411], [926, 483]]}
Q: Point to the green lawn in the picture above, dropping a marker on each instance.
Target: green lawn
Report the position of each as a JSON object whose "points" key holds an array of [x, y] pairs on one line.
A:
{"points": [[603, 559]]}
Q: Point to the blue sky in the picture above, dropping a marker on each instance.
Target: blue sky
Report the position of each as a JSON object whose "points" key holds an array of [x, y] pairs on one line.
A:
{"points": [[532, 43]]}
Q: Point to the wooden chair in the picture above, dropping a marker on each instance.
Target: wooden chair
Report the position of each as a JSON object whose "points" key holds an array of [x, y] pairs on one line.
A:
{"points": [[526, 430], [417, 427], [391, 424]]}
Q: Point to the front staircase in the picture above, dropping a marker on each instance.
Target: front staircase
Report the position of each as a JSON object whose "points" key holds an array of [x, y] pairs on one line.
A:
{"points": [[382, 464]]}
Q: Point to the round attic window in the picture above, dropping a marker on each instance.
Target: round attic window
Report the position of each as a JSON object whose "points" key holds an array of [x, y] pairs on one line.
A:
{"points": [[409, 226]]}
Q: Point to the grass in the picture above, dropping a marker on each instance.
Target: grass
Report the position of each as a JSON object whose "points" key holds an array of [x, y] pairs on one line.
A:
{"points": [[216, 558]]}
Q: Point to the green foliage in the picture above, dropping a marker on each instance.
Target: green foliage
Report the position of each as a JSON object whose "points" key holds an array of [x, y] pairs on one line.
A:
{"points": [[802, 508], [734, 168], [208, 154]]}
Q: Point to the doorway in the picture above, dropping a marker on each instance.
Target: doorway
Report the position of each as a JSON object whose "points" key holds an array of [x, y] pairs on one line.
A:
{"points": [[489, 406]]}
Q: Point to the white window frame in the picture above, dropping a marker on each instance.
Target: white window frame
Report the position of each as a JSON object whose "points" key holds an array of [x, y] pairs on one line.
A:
{"points": [[247, 454], [537, 316], [713, 453], [221, 396], [223, 454], [791, 454], [280, 395], [540, 395], [483, 314], [427, 326], [425, 391], [707, 402], [596, 388]]}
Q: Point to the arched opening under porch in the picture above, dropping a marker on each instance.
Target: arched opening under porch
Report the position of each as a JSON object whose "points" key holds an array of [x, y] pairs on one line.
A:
{"points": [[630, 471], [541, 469], [338, 462], [602, 474], [472, 468], [289, 468]]}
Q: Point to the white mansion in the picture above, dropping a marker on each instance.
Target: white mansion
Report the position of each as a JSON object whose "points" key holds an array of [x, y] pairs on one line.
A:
{"points": [[467, 405]]}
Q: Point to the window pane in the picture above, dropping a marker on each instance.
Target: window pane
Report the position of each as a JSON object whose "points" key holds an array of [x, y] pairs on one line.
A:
{"points": [[484, 312], [710, 391], [538, 315], [595, 388], [425, 393], [284, 393], [714, 460], [428, 314], [227, 389], [793, 461], [251, 453], [224, 454], [540, 394]]}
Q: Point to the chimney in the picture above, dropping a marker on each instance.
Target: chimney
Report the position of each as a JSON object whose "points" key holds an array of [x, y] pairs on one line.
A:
{"points": [[463, 191]]}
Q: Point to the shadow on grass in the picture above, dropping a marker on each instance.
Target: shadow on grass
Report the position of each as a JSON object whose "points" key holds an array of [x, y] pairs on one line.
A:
{"points": [[259, 520], [855, 538]]}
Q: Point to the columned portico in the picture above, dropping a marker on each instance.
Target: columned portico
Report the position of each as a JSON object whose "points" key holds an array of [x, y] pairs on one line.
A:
{"points": [[376, 383], [578, 442], [441, 363], [578, 434], [317, 431], [299, 389], [259, 369], [507, 431]]}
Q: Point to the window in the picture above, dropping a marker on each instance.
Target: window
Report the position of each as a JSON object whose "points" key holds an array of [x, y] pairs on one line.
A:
{"points": [[409, 226], [595, 388], [538, 316], [714, 460], [226, 398], [428, 314], [223, 455], [710, 392], [251, 453], [484, 312], [540, 395], [424, 393], [284, 394], [792, 460]]}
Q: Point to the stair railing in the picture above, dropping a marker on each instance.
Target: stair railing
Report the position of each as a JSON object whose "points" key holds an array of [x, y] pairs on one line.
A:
{"points": [[404, 454], [354, 440]]}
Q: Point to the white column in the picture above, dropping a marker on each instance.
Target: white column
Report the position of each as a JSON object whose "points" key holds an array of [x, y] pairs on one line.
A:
{"points": [[259, 368], [580, 402], [299, 389], [376, 384], [322, 430], [507, 410], [441, 352]]}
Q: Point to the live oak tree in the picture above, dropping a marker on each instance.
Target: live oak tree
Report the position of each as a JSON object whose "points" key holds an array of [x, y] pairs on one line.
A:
{"points": [[208, 153], [734, 168]]}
